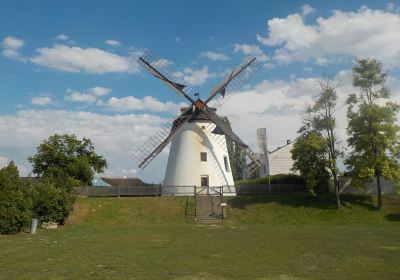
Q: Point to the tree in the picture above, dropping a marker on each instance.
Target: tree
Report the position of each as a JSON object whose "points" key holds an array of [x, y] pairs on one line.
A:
{"points": [[66, 158], [321, 117], [373, 132], [15, 202], [309, 155]]}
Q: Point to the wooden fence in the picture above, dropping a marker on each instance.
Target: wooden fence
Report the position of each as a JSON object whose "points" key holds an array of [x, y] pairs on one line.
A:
{"points": [[157, 190]]}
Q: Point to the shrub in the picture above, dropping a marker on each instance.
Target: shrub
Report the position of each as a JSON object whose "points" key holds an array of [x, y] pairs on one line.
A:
{"points": [[50, 203], [274, 179]]}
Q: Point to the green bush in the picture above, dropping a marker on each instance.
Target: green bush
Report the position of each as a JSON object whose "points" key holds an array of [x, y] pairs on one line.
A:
{"points": [[15, 202], [15, 211], [274, 179], [50, 203]]}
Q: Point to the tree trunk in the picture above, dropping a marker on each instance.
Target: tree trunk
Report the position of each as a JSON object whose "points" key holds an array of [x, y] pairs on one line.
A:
{"points": [[378, 184], [336, 182]]}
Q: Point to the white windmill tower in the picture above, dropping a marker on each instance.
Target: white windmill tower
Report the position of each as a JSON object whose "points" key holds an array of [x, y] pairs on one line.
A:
{"points": [[199, 153], [263, 147]]}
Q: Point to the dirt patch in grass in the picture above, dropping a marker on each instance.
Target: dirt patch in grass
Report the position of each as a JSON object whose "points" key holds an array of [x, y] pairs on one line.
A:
{"points": [[78, 215]]}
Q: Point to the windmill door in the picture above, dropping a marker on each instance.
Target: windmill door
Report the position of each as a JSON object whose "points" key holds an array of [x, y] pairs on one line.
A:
{"points": [[204, 183]]}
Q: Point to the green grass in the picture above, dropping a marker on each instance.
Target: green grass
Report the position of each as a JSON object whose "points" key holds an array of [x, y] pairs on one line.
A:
{"points": [[278, 237]]}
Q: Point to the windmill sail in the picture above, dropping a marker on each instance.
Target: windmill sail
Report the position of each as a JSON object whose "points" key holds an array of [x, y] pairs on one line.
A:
{"points": [[234, 81], [157, 67], [155, 144]]}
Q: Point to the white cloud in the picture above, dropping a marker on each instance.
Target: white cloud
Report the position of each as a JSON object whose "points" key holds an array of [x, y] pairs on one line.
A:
{"points": [[12, 43], [10, 53], [90, 60], [113, 43], [306, 10], [99, 91], [76, 96], [214, 56], [251, 50], [115, 137], [89, 96], [177, 39], [41, 100], [62, 37], [3, 161], [195, 77], [161, 63], [364, 33], [10, 46], [150, 103]]}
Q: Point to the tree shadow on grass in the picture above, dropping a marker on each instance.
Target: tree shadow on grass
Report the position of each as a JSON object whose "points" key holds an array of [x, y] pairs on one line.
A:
{"points": [[393, 217], [326, 201]]}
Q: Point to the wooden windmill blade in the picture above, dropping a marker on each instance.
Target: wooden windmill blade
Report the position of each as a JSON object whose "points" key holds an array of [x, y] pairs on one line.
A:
{"points": [[227, 131], [155, 66], [155, 144], [233, 81], [241, 148]]}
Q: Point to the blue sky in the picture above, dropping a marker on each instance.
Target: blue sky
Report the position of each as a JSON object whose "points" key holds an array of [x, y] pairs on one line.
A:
{"points": [[71, 66]]}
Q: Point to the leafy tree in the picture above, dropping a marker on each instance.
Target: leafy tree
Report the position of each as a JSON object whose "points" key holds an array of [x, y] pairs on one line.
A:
{"points": [[321, 117], [15, 203], [373, 132], [309, 155], [66, 158]]}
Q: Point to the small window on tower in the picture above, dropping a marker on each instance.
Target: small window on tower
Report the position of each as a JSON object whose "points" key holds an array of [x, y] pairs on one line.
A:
{"points": [[203, 156], [204, 181], [226, 163]]}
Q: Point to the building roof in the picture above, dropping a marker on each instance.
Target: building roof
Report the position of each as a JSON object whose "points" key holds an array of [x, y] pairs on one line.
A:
{"points": [[287, 144], [123, 182], [98, 182]]}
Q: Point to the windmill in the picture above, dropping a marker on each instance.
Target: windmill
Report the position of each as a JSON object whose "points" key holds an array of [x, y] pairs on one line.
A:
{"points": [[263, 147], [198, 154]]}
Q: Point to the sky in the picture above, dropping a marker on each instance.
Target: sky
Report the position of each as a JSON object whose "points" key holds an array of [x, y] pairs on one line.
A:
{"points": [[71, 67]]}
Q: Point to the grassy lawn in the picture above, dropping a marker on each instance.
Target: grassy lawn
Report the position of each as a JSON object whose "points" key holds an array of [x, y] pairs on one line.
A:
{"points": [[278, 237]]}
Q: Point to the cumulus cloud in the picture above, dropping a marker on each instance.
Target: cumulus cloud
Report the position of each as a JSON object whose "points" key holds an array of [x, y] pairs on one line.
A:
{"points": [[195, 77], [251, 50], [99, 91], [10, 46], [364, 33], [113, 43], [90, 60], [62, 37], [306, 9], [12, 43], [89, 96], [150, 103], [76, 96], [115, 137], [214, 56], [41, 100]]}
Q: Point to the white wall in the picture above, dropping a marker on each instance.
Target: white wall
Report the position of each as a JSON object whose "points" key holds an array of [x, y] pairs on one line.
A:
{"points": [[280, 161], [184, 167]]}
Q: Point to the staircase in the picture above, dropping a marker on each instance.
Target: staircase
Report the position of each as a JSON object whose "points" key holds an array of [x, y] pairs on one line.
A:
{"points": [[208, 209]]}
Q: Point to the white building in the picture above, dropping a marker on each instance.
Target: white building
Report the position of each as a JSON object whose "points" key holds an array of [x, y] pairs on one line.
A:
{"points": [[198, 157], [280, 160]]}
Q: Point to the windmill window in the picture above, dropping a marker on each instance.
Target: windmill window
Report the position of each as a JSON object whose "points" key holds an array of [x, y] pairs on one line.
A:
{"points": [[204, 181], [203, 156], [226, 164]]}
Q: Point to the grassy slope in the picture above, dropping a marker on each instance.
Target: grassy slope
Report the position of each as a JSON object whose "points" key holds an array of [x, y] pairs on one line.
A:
{"points": [[280, 237]]}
